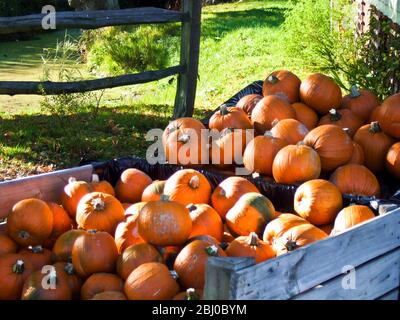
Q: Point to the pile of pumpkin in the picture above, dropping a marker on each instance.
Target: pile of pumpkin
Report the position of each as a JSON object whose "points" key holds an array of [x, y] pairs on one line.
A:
{"points": [[149, 239], [303, 129]]}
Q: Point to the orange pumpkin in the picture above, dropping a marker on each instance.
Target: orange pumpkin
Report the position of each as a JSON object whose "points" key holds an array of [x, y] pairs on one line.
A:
{"points": [[101, 282], [228, 192], [389, 116], [248, 102], [30, 222], [267, 110], [99, 211], [351, 216], [320, 92], [37, 256], [110, 295], [305, 115], [153, 191], [127, 232], [282, 82], [393, 160], [268, 146], [188, 186], [94, 252], [204, 237], [375, 144], [134, 256], [7, 245], [164, 223], [333, 145], [318, 201], [62, 249], [179, 124], [360, 102], [66, 269], [189, 294], [134, 209], [192, 261], [250, 213], [250, 246], [356, 180], [61, 223], [131, 185], [102, 186], [358, 155], [72, 193], [295, 164], [327, 228], [151, 281], [343, 118], [205, 221], [290, 130], [229, 117]]}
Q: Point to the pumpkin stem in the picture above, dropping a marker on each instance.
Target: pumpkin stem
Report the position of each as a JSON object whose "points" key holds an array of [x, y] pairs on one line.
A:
{"points": [[71, 180], [354, 92], [291, 245], [223, 109], [334, 115], [95, 178], [253, 239], [375, 127], [24, 234], [191, 294], [37, 249], [211, 250], [191, 207], [164, 197], [174, 274], [98, 204], [194, 182], [274, 123], [69, 269], [184, 138], [272, 79], [18, 267]]}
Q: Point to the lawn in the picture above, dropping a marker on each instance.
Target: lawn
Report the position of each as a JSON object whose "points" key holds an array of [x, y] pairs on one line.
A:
{"points": [[240, 44]]}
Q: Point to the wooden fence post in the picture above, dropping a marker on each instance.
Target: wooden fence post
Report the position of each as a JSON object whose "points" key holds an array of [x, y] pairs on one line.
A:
{"points": [[190, 46]]}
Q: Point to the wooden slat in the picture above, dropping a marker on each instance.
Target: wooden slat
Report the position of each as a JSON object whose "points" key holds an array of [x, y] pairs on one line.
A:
{"points": [[371, 280], [190, 50], [91, 19], [46, 186], [392, 295], [48, 87], [306, 267]]}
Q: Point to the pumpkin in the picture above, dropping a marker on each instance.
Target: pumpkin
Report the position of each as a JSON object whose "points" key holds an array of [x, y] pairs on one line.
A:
{"points": [[188, 186], [134, 209], [164, 223], [333, 145], [151, 281], [192, 261], [94, 252], [290, 130], [189, 294], [296, 164], [131, 185], [297, 237], [66, 269], [358, 155], [127, 232], [62, 249], [14, 270], [101, 186], [99, 211], [30, 222], [351, 216], [250, 213], [204, 237], [134, 256], [110, 295], [355, 179], [268, 146], [248, 102], [282, 82], [7, 245], [229, 147], [61, 223], [375, 144], [320, 92], [179, 124], [229, 117], [343, 118], [393, 160], [318, 201], [228, 192], [267, 110], [360, 102], [305, 115], [327, 228], [72, 193], [37, 256], [205, 221], [389, 116], [250, 246], [57, 286], [153, 191], [277, 227], [101, 282]]}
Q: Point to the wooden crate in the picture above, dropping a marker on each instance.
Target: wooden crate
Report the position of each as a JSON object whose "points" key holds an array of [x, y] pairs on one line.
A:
{"points": [[311, 272]]}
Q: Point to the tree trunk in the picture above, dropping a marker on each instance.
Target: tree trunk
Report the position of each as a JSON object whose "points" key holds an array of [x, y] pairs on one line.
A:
{"points": [[80, 5]]}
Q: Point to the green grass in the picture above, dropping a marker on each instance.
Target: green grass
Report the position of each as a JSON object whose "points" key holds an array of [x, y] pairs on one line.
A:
{"points": [[240, 44]]}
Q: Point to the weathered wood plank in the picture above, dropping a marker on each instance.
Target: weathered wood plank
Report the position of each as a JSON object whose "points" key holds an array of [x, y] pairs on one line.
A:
{"points": [[366, 282], [46, 186], [190, 50], [48, 87], [392, 295], [304, 268], [92, 19]]}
